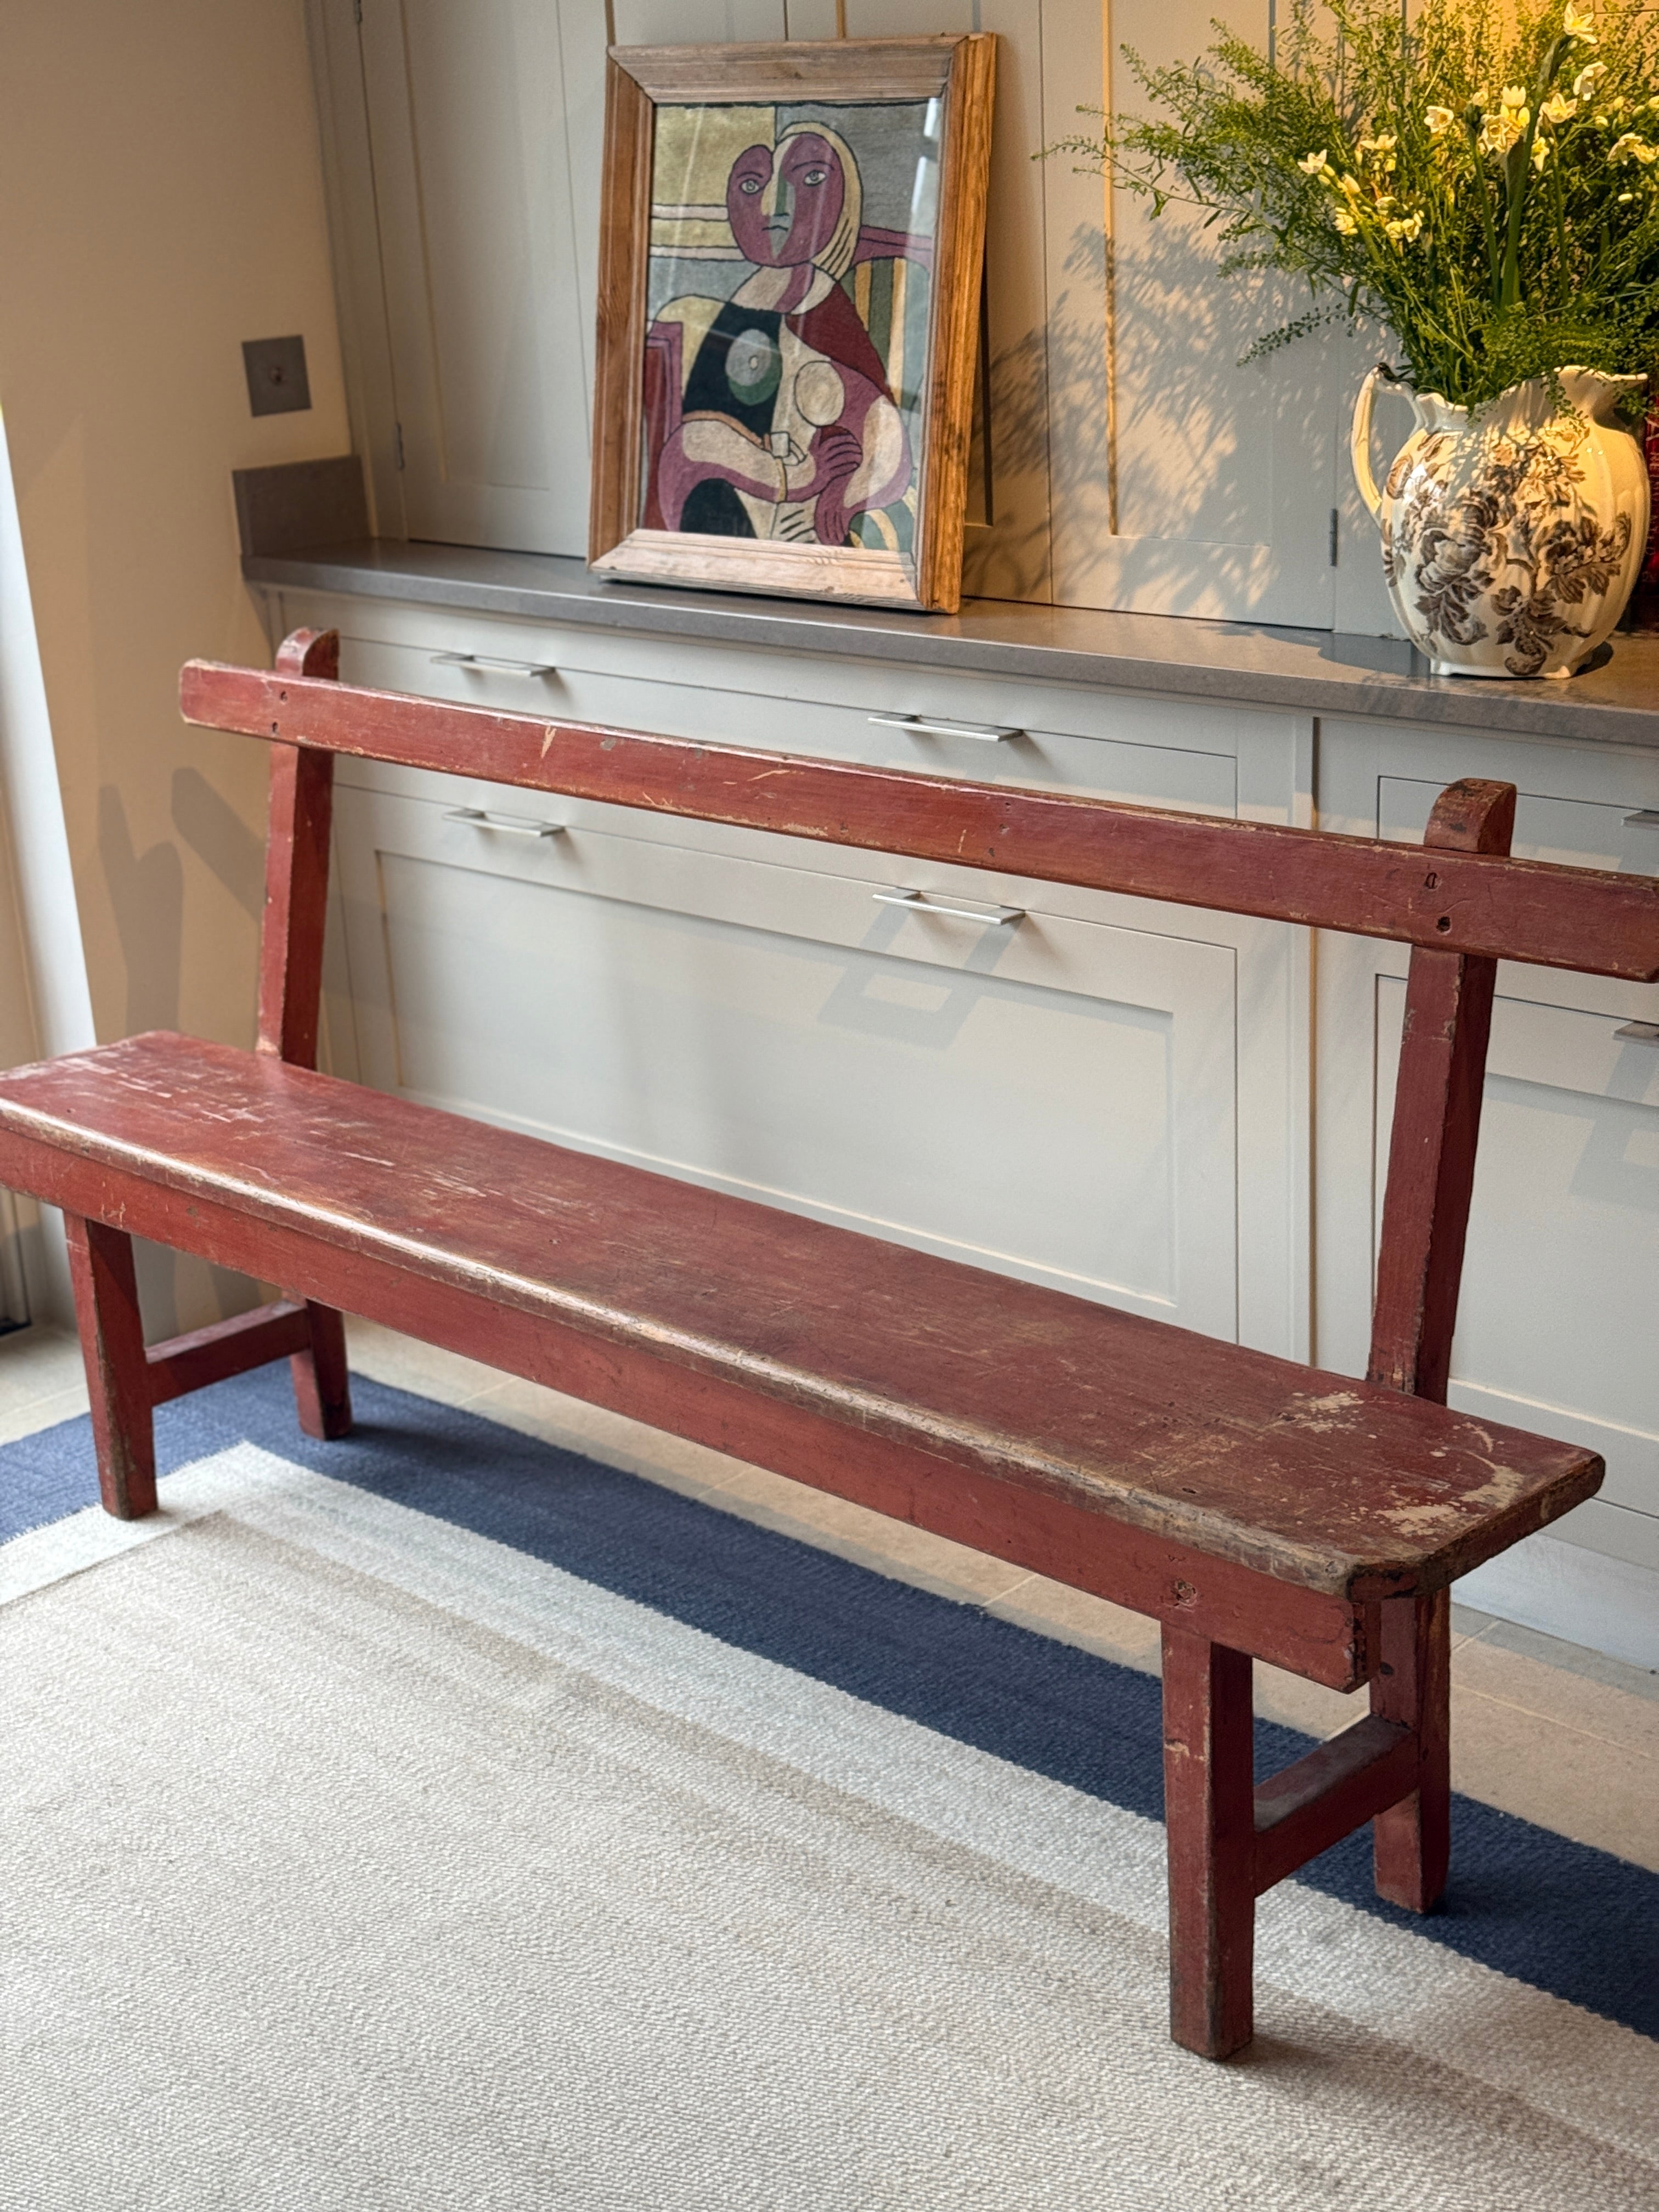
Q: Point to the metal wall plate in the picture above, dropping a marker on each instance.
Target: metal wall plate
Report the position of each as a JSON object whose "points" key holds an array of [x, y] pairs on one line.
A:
{"points": [[277, 380]]}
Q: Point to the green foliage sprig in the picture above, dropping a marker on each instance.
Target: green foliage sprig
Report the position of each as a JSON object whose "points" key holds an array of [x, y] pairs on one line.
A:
{"points": [[1484, 182]]}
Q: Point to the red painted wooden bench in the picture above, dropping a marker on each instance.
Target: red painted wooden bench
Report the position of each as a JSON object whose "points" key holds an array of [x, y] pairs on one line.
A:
{"points": [[1257, 1507]]}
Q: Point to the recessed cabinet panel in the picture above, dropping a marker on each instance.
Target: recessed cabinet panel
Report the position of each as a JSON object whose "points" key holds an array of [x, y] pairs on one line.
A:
{"points": [[1566, 1212], [1052, 1097], [696, 22]]}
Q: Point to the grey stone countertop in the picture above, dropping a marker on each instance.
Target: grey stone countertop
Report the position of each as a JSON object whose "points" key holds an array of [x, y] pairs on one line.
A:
{"points": [[1615, 701]]}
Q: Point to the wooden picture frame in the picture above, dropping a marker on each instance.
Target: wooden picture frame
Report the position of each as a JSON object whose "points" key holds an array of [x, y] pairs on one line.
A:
{"points": [[761, 421]]}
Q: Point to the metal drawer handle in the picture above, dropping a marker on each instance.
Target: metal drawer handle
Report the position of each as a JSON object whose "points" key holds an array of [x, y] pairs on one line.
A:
{"points": [[988, 733], [1647, 819], [515, 825], [493, 661], [1639, 1032], [998, 917]]}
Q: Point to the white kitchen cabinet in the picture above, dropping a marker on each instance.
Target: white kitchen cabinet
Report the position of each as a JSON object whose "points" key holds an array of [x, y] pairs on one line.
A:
{"points": [[1187, 482], [1561, 1279], [1212, 755]]}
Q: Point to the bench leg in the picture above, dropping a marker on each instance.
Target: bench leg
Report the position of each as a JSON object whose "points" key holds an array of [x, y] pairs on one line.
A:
{"points": [[1210, 1824], [118, 1373], [322, 1383], [1412, 1839]]}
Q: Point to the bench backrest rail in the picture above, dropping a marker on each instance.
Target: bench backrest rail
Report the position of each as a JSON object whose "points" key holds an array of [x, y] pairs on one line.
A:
{"points": [[1459, 899], [1469, 901]]}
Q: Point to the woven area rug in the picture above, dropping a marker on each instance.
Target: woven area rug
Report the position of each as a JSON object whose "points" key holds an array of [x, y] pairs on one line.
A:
{"points": [[438, 1820]]}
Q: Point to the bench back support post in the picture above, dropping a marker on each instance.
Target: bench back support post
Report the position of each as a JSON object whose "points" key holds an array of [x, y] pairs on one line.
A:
{"points": [[1419, 1270], [296, 871], [291, 983], [1437, 1123]]}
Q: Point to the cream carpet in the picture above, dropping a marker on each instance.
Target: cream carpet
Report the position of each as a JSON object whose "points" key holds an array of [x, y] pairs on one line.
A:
{"points": [[354, 1860]]}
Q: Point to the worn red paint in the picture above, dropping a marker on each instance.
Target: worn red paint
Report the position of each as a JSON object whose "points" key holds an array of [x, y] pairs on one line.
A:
{"points": [[291, 981]]}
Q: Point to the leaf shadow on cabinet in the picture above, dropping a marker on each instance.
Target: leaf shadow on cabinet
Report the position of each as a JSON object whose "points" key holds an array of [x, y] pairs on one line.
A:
{"points": [[1210, 457]]}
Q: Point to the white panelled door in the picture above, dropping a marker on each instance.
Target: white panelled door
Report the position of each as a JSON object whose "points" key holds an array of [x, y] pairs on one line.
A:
{"points": [[1179, 483], [484, 124], [1184, 483]]}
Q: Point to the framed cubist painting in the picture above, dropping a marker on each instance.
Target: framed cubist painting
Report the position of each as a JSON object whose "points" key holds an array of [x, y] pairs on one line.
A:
{"points": [[789, 293]]}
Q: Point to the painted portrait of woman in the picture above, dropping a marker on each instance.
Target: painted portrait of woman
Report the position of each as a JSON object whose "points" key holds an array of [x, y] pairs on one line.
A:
{"points": [[777, 403]]}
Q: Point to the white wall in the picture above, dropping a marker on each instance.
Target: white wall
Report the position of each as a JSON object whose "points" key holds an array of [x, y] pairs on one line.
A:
{"points": [[160, 201]]}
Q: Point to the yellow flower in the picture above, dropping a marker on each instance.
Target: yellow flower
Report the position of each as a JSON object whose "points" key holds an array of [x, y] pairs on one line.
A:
{"points": [[1404, 228], [1346, 223], [1557, 111], [1586, 78], [1312, 164], [1580, 24], [1438, 119], [1348, 185], [1540, 155], [1499, 132], [1624, 198], [1630, 147]]}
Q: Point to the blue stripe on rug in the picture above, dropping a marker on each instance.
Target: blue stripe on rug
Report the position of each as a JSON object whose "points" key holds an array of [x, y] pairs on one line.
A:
{"points": [[1559, 1914]]}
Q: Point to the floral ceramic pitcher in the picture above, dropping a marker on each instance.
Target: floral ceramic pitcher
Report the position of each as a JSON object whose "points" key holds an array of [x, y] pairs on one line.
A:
{"points": [[1512, 535]]}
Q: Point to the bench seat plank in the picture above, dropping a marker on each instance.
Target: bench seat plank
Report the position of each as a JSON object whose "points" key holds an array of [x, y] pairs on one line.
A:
{"points": [[1314, 1478]]}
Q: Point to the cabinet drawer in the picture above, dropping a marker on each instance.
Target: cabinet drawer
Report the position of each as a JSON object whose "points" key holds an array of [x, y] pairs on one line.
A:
{"points": [[1574, 833], [1058, 759], [1206, 754], [1053, 1098], [1569, 832]]}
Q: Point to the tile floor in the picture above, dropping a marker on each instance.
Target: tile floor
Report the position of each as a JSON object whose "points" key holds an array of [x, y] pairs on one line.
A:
{"points": [[1558, 1734]]}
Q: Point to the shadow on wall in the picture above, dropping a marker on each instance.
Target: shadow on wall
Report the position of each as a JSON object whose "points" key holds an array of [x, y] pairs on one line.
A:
{"points": [[147, 890], [220, 839], [1213, 458], [147, 898]]}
